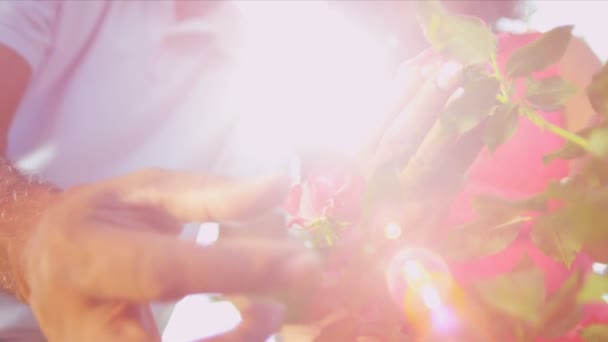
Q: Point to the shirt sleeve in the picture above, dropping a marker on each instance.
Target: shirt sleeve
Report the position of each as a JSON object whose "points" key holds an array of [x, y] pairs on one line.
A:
{"points": [[26, 26]]}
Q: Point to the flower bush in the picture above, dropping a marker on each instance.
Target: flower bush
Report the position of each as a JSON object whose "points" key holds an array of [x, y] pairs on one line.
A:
{"points": [[394, 270]]}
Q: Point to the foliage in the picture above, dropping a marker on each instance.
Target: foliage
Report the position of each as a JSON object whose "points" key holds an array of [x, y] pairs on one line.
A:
{"points": [[566, 222]]}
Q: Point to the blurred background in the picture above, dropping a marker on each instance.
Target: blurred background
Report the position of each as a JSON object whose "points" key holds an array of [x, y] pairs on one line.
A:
{"points": [[313, 65], [588, 17], [350, 50]]}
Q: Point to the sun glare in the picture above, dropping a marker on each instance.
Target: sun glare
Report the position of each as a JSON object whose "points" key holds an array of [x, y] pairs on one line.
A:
{"points": [[314, 78], [307, 78], [392, 231]]}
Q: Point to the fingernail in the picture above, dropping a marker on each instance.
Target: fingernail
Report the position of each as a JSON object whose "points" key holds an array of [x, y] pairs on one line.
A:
{"points": [[447, 73]]}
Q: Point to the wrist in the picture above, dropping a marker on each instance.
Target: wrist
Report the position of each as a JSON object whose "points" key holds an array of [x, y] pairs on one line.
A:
{"points": [[39, 198]]}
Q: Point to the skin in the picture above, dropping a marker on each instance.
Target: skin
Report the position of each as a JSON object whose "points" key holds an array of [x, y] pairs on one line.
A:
{"points": [[101, 251]]}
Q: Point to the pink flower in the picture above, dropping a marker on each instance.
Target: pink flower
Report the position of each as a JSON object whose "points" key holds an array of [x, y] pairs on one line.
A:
{"points": [[330, 193]]}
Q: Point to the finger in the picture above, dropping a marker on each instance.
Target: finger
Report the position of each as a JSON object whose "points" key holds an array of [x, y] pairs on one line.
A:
{"points": [[190, 197], [407, 82], [271, 224], [419, 163], [443, 167], [148, 266], [408, 130], [119, 321], [136, 217], [83, 318], [451, 165], [408, 78], [260, 319]]}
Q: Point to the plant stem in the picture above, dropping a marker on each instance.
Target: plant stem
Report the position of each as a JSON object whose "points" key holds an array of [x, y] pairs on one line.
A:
{"points": [[326, 230], [494, 62], [498, 75], [539, 121], [536, 119]]}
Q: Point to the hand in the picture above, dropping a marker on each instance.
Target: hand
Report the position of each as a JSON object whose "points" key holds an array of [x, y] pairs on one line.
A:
{"points": [[431, 165], [101, 252], [407, 142], [423, 86]]}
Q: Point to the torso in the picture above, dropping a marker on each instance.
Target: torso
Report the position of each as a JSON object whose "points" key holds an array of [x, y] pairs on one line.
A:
{"points": [[123, 87]]}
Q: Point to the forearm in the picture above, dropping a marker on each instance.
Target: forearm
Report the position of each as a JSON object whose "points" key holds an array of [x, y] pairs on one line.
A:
{"points": [[22, 201], [23, 47]]}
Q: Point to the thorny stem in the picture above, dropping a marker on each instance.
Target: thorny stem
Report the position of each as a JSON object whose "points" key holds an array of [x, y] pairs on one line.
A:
{"points": [[504, 93], [539, 121], [532, 115]]}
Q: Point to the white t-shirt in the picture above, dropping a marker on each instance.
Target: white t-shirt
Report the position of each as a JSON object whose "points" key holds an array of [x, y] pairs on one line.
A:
{"points": [[122, 85], [119, 86]]}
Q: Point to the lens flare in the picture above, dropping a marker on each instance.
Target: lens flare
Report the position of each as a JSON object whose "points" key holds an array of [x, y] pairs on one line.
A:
{"points": [[444, 321], [310, 81], [431, 297], [419, 280], [433, 304], [392, 231]]}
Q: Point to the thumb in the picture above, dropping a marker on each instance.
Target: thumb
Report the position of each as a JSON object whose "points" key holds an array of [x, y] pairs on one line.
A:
{"points": [[192, 197]]}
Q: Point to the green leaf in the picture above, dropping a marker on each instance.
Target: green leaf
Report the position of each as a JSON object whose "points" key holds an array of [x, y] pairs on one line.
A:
{"points": [[570, 150], [567, 152], [554, 235], [569, 318], [595, 333], [471, 108], [594, 287], [540, 54], [480, 238], [598, 142], [465, 39], [549, 94], [519, 294], [587, 216], [561, 313], [474, 72], [594, 170], [597, 91], [430, 14], [500, 126], [567, 188], [492, 206], [489, 206], [569, 191]]}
